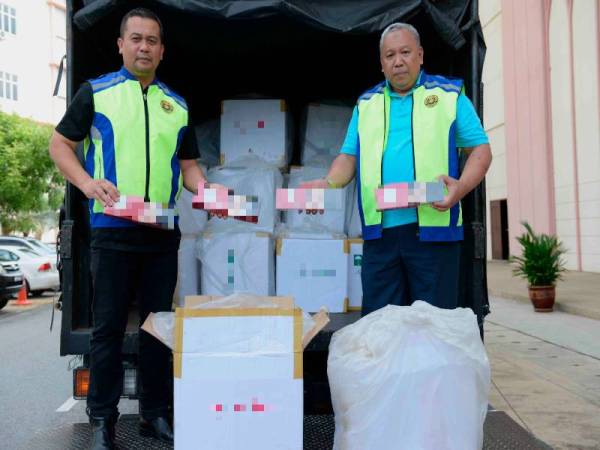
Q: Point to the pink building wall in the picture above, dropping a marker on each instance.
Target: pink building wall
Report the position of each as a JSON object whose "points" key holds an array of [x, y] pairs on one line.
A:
{"points": [[529, 155]]}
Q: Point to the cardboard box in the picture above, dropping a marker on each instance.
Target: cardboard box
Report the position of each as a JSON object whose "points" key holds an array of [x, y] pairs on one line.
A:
{"points": [[354, 271], [255, 129], [237, 262], [324, 132], [314, 272], [238, 378], [238, 370]]}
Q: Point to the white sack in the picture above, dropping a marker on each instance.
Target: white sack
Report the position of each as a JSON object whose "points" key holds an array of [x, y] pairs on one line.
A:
{"points": [[409, 378]]}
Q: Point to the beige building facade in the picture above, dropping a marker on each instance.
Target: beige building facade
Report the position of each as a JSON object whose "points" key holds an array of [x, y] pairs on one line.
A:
{"points": [[32, 44]]}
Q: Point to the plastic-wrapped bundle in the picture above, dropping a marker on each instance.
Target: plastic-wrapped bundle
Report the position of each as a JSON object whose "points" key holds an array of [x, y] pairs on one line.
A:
{"points": [[354, 225], [331, 221], [191, 224], [259, 181], [409, 377], [191, 221], [208, 135], [324, 131]]}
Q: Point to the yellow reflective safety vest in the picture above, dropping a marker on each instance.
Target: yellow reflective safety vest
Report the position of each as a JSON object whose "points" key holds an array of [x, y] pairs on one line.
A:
{"points": [[434, 104], [133, 141]]}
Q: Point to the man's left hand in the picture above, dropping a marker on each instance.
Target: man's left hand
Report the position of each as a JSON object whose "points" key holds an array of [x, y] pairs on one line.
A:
{"points": [[455, 193]]}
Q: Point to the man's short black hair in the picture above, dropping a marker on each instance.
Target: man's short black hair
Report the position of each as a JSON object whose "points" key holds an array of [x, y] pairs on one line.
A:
{"points": [[145, 13]]}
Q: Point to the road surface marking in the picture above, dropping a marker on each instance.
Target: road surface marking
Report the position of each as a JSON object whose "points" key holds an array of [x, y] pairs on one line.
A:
{"points": [[66, 406]]}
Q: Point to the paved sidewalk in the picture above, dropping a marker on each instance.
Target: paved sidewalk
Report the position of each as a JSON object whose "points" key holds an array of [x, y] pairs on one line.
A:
{"points": [[546, 372], [578, 293]]}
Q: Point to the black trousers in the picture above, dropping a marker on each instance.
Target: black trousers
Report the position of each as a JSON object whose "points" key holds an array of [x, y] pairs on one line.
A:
{"points": [[398, 269], [118, 277]]}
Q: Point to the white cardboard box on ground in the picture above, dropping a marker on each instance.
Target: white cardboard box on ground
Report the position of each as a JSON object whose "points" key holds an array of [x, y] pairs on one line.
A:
{"points": [[314, 272], [236, 262], [324, 132], [354, 272], [255, 128], [238, 379]]}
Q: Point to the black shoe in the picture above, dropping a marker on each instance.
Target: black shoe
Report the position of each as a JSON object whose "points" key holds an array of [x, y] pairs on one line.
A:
{"points": [[158, 428], [103, 433]]}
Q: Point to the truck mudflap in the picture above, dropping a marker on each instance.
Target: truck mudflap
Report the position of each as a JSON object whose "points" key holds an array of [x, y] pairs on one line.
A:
{"points": [[500, 433]]}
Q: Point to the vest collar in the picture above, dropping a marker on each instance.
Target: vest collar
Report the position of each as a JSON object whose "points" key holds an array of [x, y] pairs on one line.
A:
{"points": [[419, 82], [127, 74]]}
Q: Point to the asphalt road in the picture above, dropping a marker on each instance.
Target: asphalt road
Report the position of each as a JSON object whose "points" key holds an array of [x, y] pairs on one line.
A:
{"points": [[35, 382]]}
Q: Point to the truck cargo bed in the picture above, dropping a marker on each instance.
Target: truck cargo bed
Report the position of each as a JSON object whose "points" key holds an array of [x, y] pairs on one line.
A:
{"points": [[500, 433]]}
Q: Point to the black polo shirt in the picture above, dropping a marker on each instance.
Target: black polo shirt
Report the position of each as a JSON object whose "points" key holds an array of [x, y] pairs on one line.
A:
{"points": [[75, 126]]}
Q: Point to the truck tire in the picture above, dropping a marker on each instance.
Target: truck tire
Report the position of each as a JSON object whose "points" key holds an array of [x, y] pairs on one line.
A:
{"points": [[3, 302]]}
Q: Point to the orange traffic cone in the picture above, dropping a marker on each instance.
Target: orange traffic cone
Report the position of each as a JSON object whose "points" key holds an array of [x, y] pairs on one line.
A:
{"points": [[22, 297]]}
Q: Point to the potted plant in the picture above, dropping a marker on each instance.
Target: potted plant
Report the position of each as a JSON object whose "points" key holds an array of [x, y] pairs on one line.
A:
{"points": [[541, 264]]}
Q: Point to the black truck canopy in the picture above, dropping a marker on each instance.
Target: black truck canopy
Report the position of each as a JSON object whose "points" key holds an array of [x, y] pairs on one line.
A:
{"points": [[298, 50]]}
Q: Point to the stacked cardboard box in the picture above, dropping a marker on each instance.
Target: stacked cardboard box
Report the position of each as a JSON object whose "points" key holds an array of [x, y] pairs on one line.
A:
{"points": [[237, 262], [255, 130], [255, 143], [355, 254], [323, 134], [233, 256], [314, 272], [191, 225]]}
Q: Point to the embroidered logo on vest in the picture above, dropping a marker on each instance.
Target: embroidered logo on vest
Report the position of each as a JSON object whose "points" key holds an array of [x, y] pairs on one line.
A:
{"points": [[166, 106], [431, 100]]}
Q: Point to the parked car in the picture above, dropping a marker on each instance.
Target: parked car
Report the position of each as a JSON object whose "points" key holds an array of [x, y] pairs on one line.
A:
{"points": [[26, 242], [11, 277], [39, 270]]}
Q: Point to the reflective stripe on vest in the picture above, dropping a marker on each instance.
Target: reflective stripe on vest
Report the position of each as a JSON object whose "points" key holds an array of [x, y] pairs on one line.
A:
{"points": [[433, 125], [115, 148]]}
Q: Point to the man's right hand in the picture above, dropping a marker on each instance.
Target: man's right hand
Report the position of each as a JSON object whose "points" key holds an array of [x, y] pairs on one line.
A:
{"points": [[102, 190], [321, 183]]}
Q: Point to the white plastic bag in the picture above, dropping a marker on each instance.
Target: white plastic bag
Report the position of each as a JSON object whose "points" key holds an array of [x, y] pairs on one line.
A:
{"points": [[413, 377]]}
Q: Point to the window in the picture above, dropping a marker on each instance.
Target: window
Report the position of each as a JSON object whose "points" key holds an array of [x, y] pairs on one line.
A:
{"points": [[6, 255], [8, 86], [8, 19]]}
